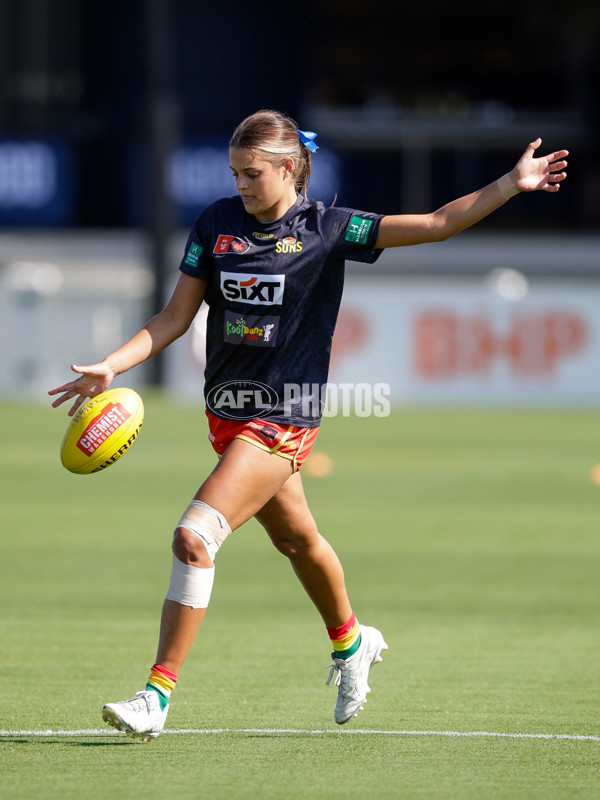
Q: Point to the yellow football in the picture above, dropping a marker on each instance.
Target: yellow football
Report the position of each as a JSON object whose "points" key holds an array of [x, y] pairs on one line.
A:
{"points": [[101, 431]]}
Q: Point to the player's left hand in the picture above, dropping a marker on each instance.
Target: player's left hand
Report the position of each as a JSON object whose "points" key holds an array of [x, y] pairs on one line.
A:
{"points": [[539, 174]]}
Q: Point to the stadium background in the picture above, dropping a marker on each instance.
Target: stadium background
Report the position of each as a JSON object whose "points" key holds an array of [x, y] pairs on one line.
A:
{"points": [[114, 121]]}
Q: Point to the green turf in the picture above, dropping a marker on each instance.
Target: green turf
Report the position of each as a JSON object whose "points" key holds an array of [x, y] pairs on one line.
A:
{"points": [[471, 538]]}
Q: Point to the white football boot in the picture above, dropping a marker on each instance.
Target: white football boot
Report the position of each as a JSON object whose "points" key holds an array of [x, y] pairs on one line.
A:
{"points": [[140, 716], [353, 672]]}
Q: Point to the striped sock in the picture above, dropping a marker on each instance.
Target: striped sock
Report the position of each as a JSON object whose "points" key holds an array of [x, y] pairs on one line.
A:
{"points": [[345, 638], [162, 681]]}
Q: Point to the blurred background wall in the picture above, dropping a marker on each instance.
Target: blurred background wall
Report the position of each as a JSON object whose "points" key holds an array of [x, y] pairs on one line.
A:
{"points": [[114, 123]]}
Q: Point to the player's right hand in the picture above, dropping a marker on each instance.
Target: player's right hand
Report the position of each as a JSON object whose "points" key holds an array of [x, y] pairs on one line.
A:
{"points": [[94, 379]]}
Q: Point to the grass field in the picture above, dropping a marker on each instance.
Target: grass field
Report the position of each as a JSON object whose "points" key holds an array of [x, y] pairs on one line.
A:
{"points": [[472, 539]]}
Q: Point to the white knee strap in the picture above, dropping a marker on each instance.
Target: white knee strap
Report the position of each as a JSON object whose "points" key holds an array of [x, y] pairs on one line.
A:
{"points": [[192, 586], [207, 523]]}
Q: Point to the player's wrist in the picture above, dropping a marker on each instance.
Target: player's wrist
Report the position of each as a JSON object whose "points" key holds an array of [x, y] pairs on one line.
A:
{"points": [[111, 368], [508, 186]]}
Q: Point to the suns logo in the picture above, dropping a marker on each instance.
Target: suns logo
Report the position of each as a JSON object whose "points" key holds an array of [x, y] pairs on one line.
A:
{"points": [[288, 245]]}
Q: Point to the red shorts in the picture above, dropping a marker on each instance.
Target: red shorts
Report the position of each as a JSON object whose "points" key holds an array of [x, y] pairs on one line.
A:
{"points": [[287, 441]]}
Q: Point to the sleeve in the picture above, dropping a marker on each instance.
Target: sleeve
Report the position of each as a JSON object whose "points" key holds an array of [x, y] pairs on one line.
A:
{"points": [[351, 234], [197, 260]]}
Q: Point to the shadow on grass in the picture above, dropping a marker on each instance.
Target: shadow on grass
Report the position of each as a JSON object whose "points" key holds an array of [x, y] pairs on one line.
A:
{"points": [[70, 743]]}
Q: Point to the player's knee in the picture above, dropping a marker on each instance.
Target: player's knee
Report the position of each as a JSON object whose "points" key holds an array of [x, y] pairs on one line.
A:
{"points": [[199, 534], [190, 549], [292, 543]]}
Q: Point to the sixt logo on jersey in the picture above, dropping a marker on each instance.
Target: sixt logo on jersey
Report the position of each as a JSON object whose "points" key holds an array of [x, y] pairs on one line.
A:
{"points": [[230, 244], [257, 290]]}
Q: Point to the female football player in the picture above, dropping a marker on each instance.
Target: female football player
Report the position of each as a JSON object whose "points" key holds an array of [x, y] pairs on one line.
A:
{"points": [[269, 263]]}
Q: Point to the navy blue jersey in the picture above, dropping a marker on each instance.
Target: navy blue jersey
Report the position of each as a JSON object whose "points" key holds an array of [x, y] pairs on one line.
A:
{"points": [[274, 292]]}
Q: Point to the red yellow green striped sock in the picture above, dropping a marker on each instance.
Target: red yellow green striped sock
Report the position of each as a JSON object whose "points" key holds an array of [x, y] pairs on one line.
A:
{"points": [[345, 638], [162, 681]]}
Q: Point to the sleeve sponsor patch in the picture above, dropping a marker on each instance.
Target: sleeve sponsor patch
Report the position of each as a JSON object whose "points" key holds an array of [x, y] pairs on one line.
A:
{"points": [[193, 254], [358, 230]]}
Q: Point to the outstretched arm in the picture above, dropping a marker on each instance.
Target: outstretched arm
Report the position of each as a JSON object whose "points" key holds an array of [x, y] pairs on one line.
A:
{"points": [[173, 321], [530, 174]]}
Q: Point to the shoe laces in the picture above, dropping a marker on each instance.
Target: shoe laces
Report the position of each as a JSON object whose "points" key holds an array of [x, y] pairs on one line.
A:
{"points": [[140, 701], [339, 666], [332, 668]]}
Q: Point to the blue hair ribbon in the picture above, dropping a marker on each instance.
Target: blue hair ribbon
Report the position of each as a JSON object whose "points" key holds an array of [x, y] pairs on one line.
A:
{"points": [[307, 138]]}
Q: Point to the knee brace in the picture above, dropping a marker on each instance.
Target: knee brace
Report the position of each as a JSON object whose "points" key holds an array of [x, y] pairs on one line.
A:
{"points": [[189, 585], [207, 523]]}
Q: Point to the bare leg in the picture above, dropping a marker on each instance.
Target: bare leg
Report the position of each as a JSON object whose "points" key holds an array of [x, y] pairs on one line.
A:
{"points": [[178, 628], [292, 529], [245, 478]]}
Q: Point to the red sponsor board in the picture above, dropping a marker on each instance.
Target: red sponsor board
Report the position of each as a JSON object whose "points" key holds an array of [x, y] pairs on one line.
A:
{"points": [[448, 344]]}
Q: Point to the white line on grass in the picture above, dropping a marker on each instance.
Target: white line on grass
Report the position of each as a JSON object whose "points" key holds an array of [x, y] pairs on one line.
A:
{"points": [[345, 732]]}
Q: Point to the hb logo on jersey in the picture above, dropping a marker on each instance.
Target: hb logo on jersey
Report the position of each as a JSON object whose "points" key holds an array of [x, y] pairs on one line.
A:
{"points": [[257, 290]]}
